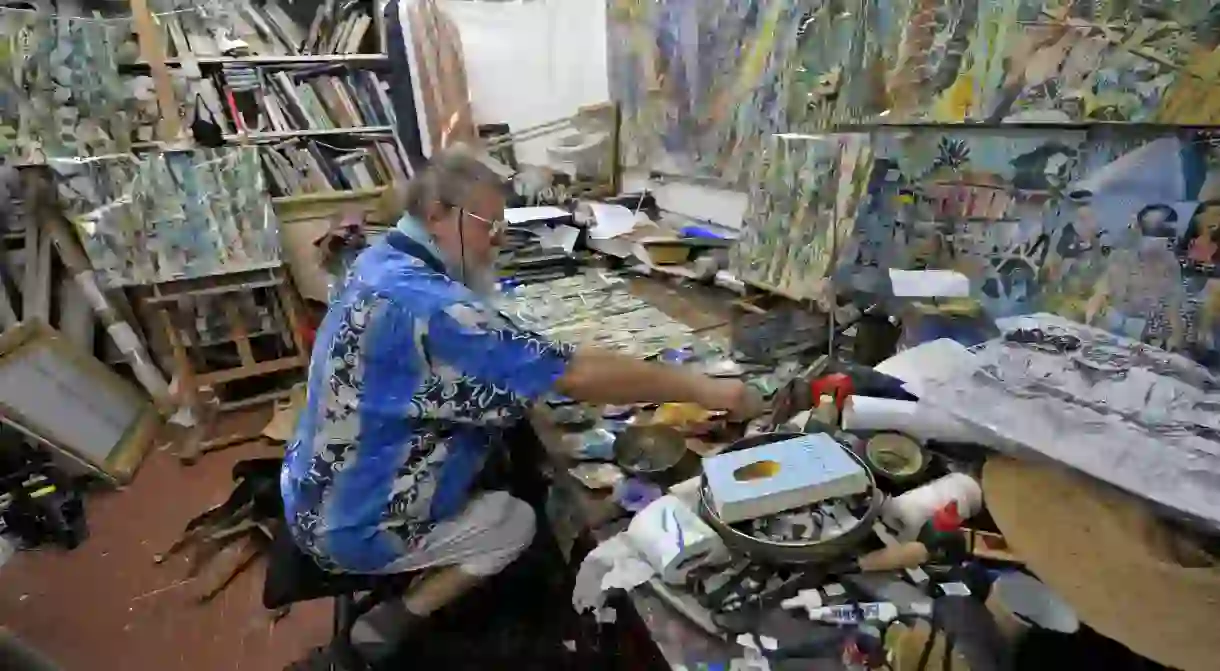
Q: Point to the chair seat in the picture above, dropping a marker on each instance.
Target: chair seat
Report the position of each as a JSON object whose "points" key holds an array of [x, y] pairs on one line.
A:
{"points": [[293, 576]]}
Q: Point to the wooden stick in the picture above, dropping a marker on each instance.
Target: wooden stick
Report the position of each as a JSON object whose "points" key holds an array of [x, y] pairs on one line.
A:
{"points": [[220, 377], [233, 560], [287, 296], [152, 51], [29, 281], [188, 387], [237, 328], [40, 198]]}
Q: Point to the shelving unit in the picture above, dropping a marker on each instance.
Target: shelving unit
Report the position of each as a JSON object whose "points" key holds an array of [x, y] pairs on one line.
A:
{"points": [[320, 132], [173, 227], [273, 136], [369, 60], [263, 90]]}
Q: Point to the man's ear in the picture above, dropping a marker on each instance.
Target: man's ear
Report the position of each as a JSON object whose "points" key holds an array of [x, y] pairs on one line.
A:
{"points": [[436, 211]]}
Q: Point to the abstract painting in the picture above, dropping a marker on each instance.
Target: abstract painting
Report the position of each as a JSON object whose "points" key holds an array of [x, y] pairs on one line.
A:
{"points": [[702, 84], [172, 216], [1029, 61], [802, 212], [699, 82], [61, 94]]}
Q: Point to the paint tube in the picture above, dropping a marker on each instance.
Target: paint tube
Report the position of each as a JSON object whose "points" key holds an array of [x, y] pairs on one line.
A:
{"points": [[855, 613]]}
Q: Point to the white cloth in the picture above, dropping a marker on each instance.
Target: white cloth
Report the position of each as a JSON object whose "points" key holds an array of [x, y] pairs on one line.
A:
{"points": [[490, 533]]}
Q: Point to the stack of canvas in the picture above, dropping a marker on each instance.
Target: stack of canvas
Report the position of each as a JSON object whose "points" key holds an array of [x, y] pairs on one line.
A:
{"points": [[428, 77]]}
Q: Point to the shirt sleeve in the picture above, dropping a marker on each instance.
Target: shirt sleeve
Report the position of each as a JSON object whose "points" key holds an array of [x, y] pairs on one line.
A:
{"points": [[481, 344]]}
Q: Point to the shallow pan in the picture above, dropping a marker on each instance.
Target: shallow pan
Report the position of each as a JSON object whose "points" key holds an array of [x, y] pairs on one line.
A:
{"points": [[649, 450], [791, 552]]}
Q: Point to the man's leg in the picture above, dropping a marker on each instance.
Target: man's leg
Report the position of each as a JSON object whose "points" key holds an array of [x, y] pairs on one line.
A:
{"points": [[490, 534]]}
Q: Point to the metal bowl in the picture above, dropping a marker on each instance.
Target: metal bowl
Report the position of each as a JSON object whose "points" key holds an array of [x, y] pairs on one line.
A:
{"points": [[649, 450], [791, 552]]}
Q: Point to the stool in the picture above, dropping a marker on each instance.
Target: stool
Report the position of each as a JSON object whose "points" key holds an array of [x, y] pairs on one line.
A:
{"points": [[294, 577]]}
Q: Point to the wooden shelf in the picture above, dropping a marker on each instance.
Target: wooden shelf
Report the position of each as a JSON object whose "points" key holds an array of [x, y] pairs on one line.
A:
{"points": [[320, 59], [327, 196], [274, 136]]}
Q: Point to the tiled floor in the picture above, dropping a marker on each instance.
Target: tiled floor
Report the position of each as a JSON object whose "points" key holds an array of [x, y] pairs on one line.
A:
{"points": [[106, 606]]}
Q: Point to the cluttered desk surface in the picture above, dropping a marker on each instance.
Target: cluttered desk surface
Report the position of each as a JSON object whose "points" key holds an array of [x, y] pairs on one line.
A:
{"points": [[925, 540], [579, 508]]}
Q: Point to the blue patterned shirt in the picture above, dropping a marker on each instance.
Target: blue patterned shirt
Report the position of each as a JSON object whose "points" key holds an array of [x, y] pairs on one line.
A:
{"points": [[412, 378]]}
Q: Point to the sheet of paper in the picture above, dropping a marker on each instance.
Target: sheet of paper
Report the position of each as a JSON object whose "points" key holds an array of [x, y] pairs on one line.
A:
{"points": [[935, 360], [522, 215], [930, 283], [560, 237], [612, 221]]}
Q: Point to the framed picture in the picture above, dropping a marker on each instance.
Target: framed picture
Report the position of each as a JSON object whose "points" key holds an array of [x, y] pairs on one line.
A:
{"points": [[50, 388]]}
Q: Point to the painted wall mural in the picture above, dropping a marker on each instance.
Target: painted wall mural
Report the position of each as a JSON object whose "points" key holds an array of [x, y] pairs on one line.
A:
{"points": [[1038, 146], [1107, 226]]}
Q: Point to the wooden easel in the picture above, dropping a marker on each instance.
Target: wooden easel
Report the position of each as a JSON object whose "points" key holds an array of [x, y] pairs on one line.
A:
{"points": [[164, 301]]}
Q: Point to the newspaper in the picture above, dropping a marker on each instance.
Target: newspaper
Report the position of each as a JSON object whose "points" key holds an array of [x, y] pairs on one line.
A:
{"points": [[1134, 416]]}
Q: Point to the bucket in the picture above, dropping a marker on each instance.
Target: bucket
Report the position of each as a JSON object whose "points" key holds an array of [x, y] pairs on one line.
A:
{"points": [[1020, 602]]}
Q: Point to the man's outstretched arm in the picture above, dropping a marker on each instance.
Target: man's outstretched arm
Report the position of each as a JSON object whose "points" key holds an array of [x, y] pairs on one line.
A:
{"points": [[528, 366]]}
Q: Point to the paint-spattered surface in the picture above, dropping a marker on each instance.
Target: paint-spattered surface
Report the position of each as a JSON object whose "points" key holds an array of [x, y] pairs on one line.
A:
{"points": [[107, 607]]}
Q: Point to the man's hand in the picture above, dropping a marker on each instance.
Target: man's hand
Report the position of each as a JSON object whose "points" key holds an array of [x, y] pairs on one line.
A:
{"points": [[599, 377], [742, 401]]}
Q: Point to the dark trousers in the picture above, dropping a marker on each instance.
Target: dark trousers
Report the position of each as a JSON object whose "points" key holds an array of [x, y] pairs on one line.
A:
{"points": [[17, 656]]}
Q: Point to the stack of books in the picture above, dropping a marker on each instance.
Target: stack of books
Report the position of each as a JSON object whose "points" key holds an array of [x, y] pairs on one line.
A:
{"points": [[307, 165], [266, 29], [243, 99], [319, 99], [325, 128], [321, 121]]}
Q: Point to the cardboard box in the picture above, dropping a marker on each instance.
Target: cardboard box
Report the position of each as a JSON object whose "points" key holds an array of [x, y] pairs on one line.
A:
{"points": [[772, 478]]}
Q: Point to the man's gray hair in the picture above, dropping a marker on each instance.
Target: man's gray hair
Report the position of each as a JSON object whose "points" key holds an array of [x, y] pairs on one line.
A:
{"points": [[448, 179]]}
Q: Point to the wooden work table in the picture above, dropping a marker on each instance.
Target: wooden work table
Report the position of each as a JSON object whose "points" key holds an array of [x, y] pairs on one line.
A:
{"points": [[581, 518], [706, 311], [651, 634]]}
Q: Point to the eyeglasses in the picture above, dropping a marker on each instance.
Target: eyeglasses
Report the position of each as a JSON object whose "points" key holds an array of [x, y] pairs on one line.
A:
{"points": [[497, 226]]}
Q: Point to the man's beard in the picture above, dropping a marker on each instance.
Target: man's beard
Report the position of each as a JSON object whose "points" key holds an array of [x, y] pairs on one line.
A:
{"points": [[481, 278]]}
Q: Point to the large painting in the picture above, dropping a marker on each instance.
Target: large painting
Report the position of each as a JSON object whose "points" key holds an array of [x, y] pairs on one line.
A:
{"points": [[802, 212], [1029, 144], [1030, 61], [171, 216], [61, 94], [1116, 229], [702, 84]]}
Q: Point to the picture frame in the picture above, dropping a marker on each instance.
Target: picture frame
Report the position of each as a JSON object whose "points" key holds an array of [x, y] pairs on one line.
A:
{"points": [[73, 402]]}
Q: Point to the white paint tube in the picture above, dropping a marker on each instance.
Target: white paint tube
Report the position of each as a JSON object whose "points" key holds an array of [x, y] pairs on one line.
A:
{"points": [[872, 611]]}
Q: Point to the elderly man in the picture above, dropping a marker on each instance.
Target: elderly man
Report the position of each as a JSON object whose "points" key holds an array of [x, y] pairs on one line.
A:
{"points": [[413, 378]]}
